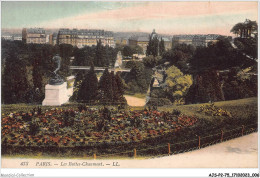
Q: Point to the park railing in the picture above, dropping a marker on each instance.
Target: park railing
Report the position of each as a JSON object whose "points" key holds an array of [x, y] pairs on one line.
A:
{"points": [[196, 143]]}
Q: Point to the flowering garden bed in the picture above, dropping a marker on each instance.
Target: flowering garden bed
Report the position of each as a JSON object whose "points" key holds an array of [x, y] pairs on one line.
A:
{"points": [[67, 128], [83, 131]]}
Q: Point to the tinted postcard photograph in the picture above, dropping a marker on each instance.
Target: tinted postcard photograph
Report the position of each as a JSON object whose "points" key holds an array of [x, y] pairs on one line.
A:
{"points": [[125, 84]]}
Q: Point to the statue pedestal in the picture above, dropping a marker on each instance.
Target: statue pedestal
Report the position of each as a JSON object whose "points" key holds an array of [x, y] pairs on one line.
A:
{"points": [[55, 95]]}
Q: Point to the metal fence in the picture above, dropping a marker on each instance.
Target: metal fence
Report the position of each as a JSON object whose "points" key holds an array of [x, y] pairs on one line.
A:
{"points": [[181, 147]]}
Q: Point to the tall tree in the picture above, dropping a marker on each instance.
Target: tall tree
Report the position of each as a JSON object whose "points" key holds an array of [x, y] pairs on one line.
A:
{"points": [[206, 87], [153, 46], [15, 84], [37, 77], [105, 86], [77, 83], [127, 51], [180, 56], [120, 87], [114, 87], [161, 47], [89, 87], [245, 29], [177, 84], [100, 54]]}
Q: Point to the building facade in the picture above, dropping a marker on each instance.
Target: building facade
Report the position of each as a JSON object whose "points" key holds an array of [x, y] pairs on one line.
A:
{"points": [[34, 35], [17, 37], [140, 41], [167, 43], [7, 37], [195, 40], [121, 41], [53, 39], [199, 40], [143, 41], [14, 37], [84, 37]]}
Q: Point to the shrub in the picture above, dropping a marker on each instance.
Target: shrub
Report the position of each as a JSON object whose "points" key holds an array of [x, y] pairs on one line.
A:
{"points": [[159, 102], [212, 110]]}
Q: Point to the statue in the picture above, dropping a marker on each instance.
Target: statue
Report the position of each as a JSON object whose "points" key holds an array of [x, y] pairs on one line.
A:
{"points": [[56, 79]]}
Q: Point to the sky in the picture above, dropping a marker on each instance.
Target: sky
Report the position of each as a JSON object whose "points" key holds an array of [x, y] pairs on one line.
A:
{"points": [[164, 17]]}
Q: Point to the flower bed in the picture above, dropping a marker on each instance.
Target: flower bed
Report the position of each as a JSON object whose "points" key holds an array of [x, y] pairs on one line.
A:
{"points": [[84, 127]]}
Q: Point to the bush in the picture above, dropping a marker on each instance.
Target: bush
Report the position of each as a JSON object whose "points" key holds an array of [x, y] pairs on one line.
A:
{"points": [[212, 110], [176, 112], [159, 102]]}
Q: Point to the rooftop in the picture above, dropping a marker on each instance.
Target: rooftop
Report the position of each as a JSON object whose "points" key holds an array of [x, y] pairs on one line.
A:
{"points": [[85, 32], [36, 30]]}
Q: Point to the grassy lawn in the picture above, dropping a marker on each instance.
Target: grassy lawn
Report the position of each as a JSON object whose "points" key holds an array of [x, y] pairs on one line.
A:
{"points": [[242, 108]]}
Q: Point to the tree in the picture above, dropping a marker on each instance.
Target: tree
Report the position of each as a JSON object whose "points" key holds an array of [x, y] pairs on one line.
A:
{"points": [[100, 54], [161, 47], [219, 56], [138, 50], [120, 87], [77, 83], [15, 84], [37, 77], [177, 84], [105, 86], [206, 87], [151, 61], [127, 51], [114, 96], [244, 30], [139, 78], [180, 56], [89, 87], [153, 46], [238, 29]]}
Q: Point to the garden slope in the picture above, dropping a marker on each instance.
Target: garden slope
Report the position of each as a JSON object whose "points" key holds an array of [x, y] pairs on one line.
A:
{"points": [[242, 108]]}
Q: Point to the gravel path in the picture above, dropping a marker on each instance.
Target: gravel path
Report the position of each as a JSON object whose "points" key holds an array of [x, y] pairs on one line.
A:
{"points": [[134, 101]]}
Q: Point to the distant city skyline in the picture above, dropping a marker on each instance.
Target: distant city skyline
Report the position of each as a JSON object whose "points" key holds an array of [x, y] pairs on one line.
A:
{"points": [[166, 17]]}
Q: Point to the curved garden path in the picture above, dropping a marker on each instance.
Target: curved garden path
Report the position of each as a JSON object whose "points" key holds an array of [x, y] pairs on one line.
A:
{"points": [[134, 101]]}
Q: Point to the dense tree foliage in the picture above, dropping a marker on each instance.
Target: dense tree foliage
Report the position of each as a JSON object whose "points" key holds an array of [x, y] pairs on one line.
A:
{"points": [[77, 84], [245, 29], [161, 47], [105, 86], [32, 66], [139, 78], [237, 84], [37, 77], [206, 87], [88, 90], [219, 56], [180, 56], [247, 46], [153, 46], [177, 84], [152, 61], [127, 51], [111, 87], [15, 85], [101, 56], [130, 50]]}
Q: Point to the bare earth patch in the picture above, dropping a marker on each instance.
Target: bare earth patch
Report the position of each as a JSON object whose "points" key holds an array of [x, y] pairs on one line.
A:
{"points": [[134, 101]]}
